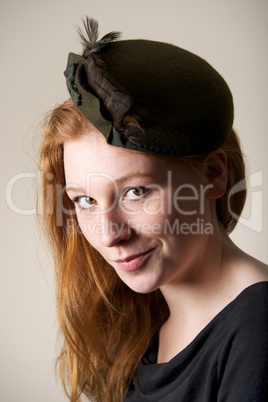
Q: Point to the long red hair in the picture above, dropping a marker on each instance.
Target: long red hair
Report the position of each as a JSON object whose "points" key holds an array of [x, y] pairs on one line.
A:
{"points": [[106, 327]]}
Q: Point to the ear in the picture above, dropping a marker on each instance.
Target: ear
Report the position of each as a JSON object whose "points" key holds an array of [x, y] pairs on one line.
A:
{"points": [[216, 173]]}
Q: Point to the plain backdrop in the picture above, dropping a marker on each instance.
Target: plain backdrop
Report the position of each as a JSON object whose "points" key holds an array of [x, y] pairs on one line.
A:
{"points": [[36, 37]]}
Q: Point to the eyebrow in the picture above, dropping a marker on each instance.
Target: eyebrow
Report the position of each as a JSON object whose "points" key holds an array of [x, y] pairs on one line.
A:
{"points": [[120, 180], [136, 175], [76, 189]]}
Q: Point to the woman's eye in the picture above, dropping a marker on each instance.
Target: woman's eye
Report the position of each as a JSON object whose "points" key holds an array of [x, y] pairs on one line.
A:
{"points": [[84, 202], [135, 193]]}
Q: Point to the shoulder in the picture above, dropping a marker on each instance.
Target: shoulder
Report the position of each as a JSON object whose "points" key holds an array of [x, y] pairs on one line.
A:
{"points": [[251, 302], [244, 270], [245, 327], [254, 270], [245, 319], [245, 356]]}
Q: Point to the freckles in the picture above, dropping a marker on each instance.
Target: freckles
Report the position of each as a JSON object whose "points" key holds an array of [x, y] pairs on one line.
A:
{"points": [[87, 229], [149, 225], [154, 206]]}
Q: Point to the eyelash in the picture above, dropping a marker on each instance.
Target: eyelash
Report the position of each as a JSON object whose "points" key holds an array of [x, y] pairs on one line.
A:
{"points": [[142, 189], [78, 200]]}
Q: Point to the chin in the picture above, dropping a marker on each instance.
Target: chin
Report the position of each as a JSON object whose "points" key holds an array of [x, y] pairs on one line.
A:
{"points": [[140, 286]]}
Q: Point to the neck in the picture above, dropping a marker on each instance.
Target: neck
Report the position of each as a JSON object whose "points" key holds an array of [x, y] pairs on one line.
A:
{"points": [[193, 301], [196, 299], [205, 287]]}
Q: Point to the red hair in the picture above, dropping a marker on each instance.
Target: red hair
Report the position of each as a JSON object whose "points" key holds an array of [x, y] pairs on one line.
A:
{"points": [[106, 327]]}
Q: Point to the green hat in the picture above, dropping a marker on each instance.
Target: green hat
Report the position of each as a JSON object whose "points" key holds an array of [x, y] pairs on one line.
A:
{"points": [[149, 96]]}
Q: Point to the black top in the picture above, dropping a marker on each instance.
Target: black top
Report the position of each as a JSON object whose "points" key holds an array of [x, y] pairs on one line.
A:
{"points": [[226, 362]]}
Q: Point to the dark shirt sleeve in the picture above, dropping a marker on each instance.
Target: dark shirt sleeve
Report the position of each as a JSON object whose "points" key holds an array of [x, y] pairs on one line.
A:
{"points": [[245, 376]]}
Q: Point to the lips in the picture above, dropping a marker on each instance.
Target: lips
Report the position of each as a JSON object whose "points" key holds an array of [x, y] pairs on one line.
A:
{"points": [[134, 262]]}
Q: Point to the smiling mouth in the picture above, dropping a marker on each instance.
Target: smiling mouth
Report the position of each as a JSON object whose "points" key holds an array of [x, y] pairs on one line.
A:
{"points": [[134, 262]]}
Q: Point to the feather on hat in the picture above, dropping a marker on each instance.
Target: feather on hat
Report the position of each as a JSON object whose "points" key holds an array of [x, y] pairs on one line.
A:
{"points": [[149, 96]]}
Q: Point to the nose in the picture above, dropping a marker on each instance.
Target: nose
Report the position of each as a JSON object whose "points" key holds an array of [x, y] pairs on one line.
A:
{"points": [[115, 228]]}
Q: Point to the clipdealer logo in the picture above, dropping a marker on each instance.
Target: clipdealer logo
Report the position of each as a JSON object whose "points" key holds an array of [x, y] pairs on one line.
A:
{"points": [[251, 218], [252, 215]]}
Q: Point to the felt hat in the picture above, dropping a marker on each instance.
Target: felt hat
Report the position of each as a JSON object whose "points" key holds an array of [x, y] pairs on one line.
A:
{"points": [[149, 96]]}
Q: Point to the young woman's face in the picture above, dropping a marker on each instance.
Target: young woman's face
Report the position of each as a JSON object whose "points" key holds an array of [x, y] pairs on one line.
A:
{"points": [[149, 217]]}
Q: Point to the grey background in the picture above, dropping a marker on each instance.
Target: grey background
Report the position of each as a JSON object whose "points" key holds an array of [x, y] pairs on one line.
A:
{"points": [[35, 38]]}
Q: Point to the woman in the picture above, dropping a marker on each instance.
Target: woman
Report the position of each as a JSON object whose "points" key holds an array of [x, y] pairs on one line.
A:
{"points": [[155, 302]]}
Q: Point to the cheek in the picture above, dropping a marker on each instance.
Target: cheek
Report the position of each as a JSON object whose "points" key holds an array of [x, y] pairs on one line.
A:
{"points": [[155, 205], [190, 202], [89, 228], [148, 223]]}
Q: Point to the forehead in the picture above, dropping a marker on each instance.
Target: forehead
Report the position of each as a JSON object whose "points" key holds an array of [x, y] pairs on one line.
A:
{"points": [[90, 154]]}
